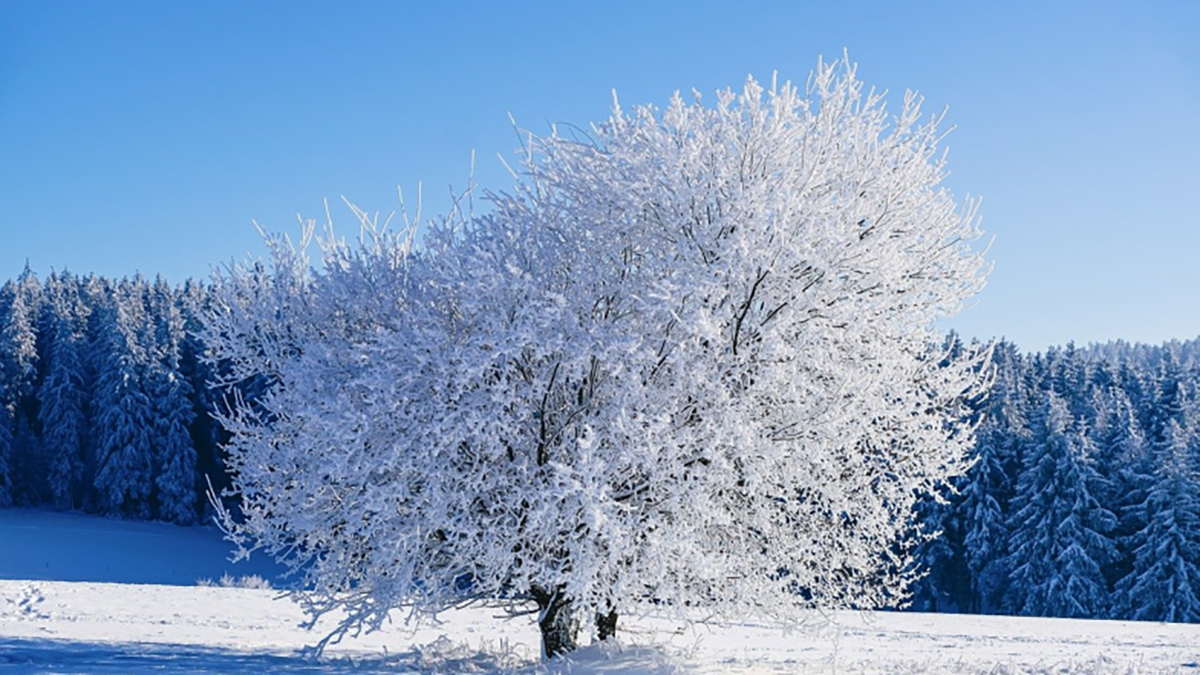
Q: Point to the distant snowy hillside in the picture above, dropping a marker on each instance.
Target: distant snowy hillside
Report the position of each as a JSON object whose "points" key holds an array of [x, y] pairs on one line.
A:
{"points": [[36, 544]]}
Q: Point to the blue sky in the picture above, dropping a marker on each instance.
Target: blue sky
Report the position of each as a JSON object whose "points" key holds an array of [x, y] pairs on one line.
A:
{"points": [[145, 136]]}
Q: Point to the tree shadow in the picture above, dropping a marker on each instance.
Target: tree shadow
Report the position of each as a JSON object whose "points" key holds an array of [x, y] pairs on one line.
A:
{"points": [[29, 656], [19, 656]]}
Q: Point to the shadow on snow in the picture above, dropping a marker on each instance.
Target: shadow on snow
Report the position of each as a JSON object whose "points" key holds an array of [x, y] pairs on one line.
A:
{"points": [[27, 655]]}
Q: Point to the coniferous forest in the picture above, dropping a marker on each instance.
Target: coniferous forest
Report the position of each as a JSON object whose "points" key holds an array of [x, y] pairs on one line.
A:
{"points": [[104, 403], [1083, 499]]}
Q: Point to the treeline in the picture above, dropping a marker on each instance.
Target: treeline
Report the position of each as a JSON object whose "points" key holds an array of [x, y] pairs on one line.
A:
{"points": [[1084, 499], [104, 405]]}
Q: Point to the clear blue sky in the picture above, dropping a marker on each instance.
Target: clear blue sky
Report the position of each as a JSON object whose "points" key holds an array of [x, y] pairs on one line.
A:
{"points": [[145, 136]]}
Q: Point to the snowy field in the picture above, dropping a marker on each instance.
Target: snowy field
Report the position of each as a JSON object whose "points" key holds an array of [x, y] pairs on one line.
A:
{"points": [[87, 625]]}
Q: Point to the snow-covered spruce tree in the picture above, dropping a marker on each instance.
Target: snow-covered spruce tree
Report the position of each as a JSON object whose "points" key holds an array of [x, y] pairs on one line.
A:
{"points": [[205, 430], [1126, 467], [988, 486], [688, 364], [124, 422], [1164, 584], [175, 458], [1059, 534], [176, 498], [20, 302], [61, 414], [18, 338], [945, 582], [61, 396]]}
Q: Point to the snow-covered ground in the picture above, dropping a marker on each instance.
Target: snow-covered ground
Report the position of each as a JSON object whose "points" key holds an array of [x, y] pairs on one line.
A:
{"points": [[92, 627]]}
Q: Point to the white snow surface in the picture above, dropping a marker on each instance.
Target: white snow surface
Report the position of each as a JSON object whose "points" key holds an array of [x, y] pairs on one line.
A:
{"points": [[89, 627], [85, 627]]}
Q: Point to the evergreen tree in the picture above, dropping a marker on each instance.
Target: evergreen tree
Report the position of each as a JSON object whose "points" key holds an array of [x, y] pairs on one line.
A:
{"points": [[989, 484], [175, 457], [943, 586], [1122, 457], [1059, 532], [1168, 401], [205, 431], [124, 453], [62, 417], [19, 303], [167, 320], [18, 337], [1069, 377], [98, 294], [1164, 584]]}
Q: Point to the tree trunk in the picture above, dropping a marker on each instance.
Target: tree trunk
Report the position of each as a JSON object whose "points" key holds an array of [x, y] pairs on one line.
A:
{"points": [[606, 624], [556, 621]]}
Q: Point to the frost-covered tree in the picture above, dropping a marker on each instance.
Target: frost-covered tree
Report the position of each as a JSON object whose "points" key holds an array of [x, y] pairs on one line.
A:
{"points": [[688, 364]]}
